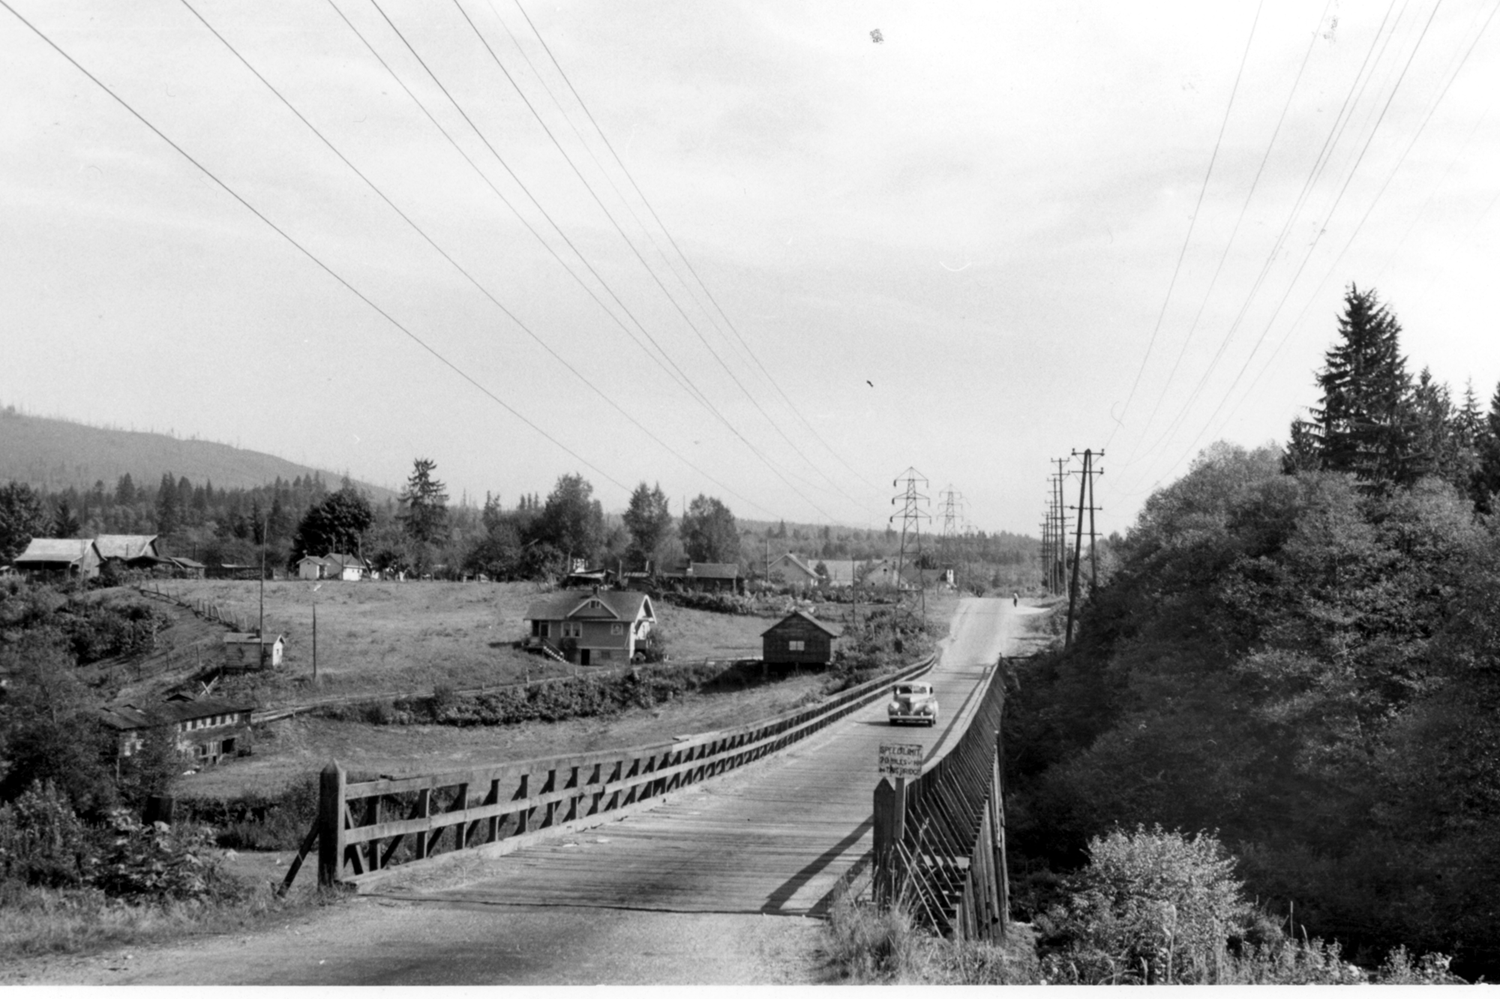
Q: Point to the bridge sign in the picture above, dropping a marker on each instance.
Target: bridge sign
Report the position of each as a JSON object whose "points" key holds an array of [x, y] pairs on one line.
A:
{"points": [[902, 759]]}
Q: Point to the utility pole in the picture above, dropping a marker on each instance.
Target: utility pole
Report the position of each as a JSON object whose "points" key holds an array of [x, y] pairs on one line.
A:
{"points": [[912, 515], [1085, 502]]}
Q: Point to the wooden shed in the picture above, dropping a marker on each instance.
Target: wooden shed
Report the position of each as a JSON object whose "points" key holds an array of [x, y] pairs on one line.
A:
{"points": [[799, 639], [247, 649]]}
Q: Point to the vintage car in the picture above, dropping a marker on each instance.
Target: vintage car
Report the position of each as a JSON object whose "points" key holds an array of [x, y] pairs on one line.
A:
{"points": [[913, 702]]}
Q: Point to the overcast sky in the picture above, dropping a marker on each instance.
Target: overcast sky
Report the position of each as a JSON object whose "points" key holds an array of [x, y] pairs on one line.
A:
{"points": [[956, 247]]}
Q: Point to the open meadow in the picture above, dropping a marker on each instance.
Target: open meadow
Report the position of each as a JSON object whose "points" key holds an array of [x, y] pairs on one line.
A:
{"points": [[409, 637]]}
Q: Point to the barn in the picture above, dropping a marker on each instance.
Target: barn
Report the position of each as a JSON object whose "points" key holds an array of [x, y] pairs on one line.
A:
{"points": [[799, 639]]}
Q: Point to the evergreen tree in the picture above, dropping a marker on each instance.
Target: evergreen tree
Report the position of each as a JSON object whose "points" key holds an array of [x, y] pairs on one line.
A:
{"points": [[167, 518], [64, 521], [1364, 416], [424, 502]]}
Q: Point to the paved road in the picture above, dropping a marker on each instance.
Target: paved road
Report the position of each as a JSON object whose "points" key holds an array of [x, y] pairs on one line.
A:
{"points": [[628, 902]]}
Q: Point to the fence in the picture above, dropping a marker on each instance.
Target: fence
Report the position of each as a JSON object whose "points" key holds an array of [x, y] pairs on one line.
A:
{"points": [[940, 839], [365, 828]]}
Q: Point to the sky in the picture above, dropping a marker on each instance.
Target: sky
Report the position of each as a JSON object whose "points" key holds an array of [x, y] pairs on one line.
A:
{"points": [[774, 252]]}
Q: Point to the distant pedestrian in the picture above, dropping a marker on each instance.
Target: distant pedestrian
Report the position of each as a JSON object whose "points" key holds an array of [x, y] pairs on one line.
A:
{"points": [[1015, 599]]}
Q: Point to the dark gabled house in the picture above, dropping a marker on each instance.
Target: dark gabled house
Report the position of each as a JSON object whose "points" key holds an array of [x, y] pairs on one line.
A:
{"points": [[799, 639], [206, 731]]}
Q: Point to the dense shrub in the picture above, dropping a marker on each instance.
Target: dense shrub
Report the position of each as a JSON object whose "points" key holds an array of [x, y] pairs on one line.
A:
{"points": [[159, 862], [1151, 907], [42, 842]]}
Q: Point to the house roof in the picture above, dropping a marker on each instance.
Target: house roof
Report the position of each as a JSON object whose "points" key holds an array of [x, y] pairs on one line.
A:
{"points": [[831, 630], [133, 716], [126, 546], [55, 550], [248, 638], [186, 563], [340, 560], [626, 605], [793, 560], [714, 570]]}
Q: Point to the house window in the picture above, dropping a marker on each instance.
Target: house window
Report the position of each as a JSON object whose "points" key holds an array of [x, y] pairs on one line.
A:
{"points": [[572, 629], [544, 629], [796, 645], [617, 629]]}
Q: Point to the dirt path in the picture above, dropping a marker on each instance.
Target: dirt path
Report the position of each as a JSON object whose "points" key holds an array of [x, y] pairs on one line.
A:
{"points": [[715, 887]]}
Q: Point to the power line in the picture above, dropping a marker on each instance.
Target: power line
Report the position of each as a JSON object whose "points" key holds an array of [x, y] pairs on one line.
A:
{"points": [[1193, 221], [635, 251], [1315, 173], [701, 397], [446, 256], [304, 250], [1229, 243], [670, 239], [1308, 255]]}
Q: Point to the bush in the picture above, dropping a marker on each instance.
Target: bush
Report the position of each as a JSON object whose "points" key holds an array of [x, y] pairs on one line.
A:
{"points": [[42, 842], [1150, 907], [158, 863]]}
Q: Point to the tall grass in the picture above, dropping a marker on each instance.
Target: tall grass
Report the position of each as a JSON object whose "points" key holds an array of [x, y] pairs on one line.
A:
{"points": [[36, 921]]}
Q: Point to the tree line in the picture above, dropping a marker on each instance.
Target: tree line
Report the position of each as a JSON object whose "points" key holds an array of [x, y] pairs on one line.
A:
{"points": [[423, 533], [1297, 647]]}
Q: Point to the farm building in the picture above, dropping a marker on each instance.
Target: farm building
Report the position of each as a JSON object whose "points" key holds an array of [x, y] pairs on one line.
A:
{"points": [[334, 565], [712, 576], [799, 639], [591, 627], [247, 649], [129, 551], [206, 730], [66, 558], [185, 567]]}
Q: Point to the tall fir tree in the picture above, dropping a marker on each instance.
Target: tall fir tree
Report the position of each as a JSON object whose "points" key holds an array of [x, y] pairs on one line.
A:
{"points": [[1364, 420]]}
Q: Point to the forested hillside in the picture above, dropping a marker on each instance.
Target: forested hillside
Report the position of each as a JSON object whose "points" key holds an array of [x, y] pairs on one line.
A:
{"points": [[1300, 650], [55, 455]]}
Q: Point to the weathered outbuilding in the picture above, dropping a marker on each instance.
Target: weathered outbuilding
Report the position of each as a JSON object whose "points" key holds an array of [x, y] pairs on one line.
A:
{"points": [[206, 730], [246, 649], [799, 639], [129, 551], [61, 558]]}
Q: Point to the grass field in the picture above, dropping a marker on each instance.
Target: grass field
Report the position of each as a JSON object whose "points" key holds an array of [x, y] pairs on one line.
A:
{"points": [[385, 637], [394, 637]]}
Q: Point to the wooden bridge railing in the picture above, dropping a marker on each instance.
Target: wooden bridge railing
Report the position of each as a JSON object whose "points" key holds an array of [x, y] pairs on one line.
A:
{"points": [[942, 849], [365, 828]]}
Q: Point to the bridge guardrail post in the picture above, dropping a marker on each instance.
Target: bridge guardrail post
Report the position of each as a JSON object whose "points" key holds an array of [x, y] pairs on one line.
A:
{"points": [[331, 785], [890, 830]]}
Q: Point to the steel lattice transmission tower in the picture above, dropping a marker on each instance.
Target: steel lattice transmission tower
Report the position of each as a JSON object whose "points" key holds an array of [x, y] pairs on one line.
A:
{"points": [[912, 505], [952, 525]]}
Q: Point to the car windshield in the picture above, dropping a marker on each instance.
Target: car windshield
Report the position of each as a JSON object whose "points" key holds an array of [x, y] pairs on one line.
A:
{"points": [[913, 688]]}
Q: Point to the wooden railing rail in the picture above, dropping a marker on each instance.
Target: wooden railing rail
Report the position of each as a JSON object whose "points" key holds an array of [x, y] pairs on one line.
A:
{"points": [[943, 846], [367, 827]]}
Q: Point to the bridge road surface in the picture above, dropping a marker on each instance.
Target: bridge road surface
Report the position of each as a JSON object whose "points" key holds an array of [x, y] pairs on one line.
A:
{"points": [[675, 895]]}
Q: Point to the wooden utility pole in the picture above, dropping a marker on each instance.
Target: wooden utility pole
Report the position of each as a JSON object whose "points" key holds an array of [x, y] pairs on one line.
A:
{"points": [[1085, 502]]}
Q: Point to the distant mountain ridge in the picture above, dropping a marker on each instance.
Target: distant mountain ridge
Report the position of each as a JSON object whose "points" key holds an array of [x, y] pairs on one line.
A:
{"points": [[54, 454]]}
